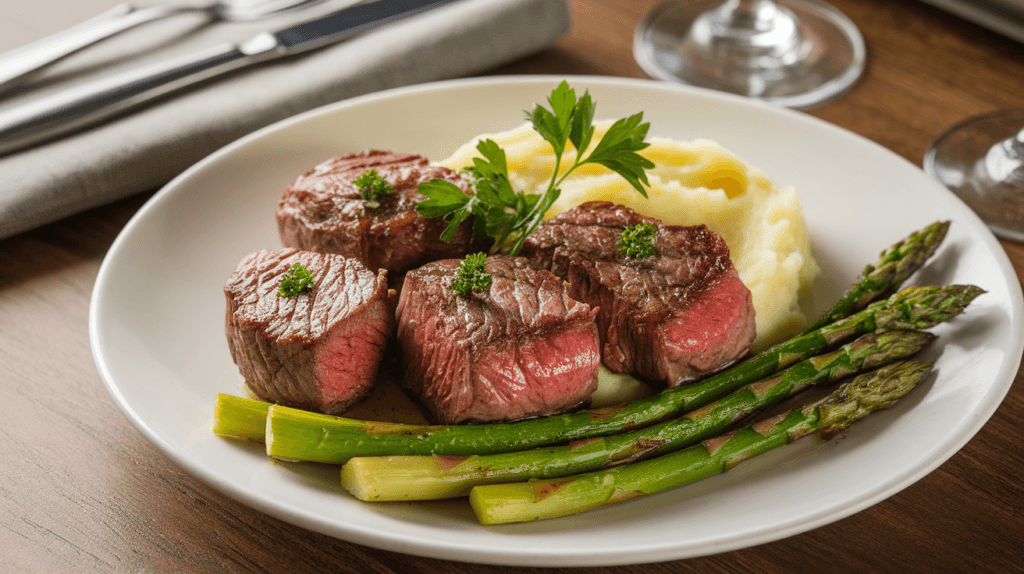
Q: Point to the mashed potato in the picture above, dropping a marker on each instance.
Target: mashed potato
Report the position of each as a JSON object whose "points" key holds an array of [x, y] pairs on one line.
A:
{"points": [[693, 182]]}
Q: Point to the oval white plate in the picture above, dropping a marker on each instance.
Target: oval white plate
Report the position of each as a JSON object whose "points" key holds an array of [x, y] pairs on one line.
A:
{"points": [[156, 324]]}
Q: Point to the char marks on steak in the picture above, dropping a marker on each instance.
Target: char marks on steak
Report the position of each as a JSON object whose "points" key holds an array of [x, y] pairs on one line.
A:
{"points": [[323, 211], [523, 349], [318, 350], [668, 318]]}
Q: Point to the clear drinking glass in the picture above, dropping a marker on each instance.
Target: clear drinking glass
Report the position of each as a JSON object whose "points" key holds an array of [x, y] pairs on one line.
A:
{"points": [[793, 53], [981, 160]]}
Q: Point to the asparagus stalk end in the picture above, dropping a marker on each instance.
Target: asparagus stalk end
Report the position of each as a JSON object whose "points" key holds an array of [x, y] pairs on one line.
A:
{"points": [[241, 418]]}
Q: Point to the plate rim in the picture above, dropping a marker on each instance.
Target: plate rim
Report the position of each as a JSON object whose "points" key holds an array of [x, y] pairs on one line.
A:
{"points": [[506, 556]]}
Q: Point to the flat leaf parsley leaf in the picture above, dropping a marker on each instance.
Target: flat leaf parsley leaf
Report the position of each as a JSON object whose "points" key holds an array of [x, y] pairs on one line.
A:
{"points": [[372, 186], [296, 280], [471, 275], [508, 216], [637, 241]]}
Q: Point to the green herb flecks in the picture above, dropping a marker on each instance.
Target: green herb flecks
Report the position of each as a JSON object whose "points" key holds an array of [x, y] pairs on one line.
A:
{"points": [[296, 280], [372, 186], [471, 275], [637, 241], [508, 216]]}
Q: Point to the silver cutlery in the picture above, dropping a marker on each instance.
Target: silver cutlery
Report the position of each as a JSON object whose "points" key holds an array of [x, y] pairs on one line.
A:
{"points": [[19, 62], [80, 106]]}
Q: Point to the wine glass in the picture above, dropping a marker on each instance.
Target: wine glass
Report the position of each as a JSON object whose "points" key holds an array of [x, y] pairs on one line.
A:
{"points": [[793, 53], [981, 160]]}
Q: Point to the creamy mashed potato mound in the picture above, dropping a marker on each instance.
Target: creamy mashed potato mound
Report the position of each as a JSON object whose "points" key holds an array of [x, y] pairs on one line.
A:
{"points": [[692, 182]]}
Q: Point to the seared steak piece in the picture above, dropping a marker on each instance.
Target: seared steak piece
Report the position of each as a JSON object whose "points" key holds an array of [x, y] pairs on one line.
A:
{"points": [[323, 211], [318, 350], [523, 349], [668, 318]]}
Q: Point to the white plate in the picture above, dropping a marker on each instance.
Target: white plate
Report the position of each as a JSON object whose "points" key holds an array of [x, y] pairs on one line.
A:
{"points": [[157, 324]]}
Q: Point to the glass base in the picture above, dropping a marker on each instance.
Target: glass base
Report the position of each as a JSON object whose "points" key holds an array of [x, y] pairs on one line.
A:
{"points": [[809, 54], [977, 161]]}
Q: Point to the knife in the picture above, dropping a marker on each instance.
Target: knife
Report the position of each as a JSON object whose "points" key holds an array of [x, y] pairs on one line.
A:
{"points": [[81, 106]]}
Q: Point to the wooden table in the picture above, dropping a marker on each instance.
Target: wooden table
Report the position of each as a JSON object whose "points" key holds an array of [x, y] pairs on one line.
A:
{"points": [[81, 490]]}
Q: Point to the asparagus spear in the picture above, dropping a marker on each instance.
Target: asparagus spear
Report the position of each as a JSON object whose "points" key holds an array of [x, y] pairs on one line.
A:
{"points": [[537, 499], [298, 435], [894, 266], [237, 417], [431, 477]]}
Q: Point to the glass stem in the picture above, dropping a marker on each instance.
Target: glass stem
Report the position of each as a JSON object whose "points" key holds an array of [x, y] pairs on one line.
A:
{"points": [[796, 53], [1004, 162], [752, 34], [1015, 146], [749, 15]]}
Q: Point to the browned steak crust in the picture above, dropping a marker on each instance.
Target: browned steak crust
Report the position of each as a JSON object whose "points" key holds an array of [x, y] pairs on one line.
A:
{"points": [[318, 350], [668, 318], [323, 211], [523, 349]]}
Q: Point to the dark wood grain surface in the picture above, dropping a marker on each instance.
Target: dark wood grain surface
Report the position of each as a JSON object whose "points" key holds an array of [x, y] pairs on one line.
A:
{"points": [[81, 490]]}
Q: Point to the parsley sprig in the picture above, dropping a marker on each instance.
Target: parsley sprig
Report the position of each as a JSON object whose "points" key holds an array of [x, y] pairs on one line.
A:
{"points": [[472, 275], [371, 187], [637, 241], [296, 280], [508, 216]]}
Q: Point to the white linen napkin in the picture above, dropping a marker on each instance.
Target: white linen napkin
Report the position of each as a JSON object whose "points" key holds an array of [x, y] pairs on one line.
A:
{"points": [[1003, 16], [148, 147]]}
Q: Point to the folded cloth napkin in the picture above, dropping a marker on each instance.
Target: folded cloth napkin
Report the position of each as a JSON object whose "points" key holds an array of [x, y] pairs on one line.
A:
{"points": [[144, 149], [1003, 16]]}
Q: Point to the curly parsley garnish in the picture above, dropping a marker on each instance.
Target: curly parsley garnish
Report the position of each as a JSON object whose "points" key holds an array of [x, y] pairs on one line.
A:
{"points": [[509, 216], [372, 186], [296, 280], [637, 241], [471, 275]]}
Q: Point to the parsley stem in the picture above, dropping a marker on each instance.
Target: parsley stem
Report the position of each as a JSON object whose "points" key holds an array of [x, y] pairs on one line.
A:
{"points": [[508, 216], [536, 215]]}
